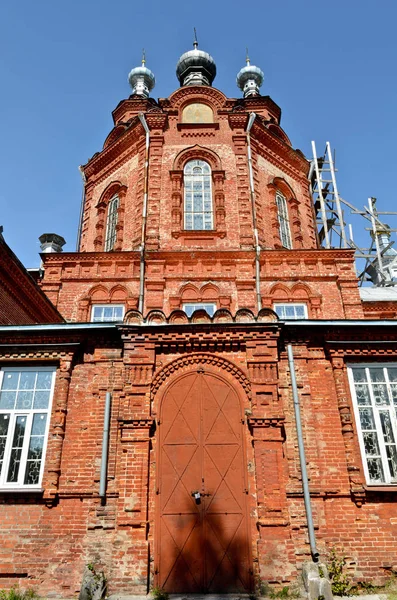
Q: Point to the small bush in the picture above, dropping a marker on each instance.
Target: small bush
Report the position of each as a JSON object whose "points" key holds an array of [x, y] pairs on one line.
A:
{"points": [[16, 594], [340, 582], [158, 593]]}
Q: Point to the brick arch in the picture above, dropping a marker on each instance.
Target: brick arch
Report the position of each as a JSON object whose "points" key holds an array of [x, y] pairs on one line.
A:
{"points": [[118, 293], [280, 184], [186, 94], [279, 132], [185, 363], [199, 153], [208, 292], [116, 132], [99, 294], [299, 292], [114, 188]]}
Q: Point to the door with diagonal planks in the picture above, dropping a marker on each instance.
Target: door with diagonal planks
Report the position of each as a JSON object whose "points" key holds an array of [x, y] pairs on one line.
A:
{"points": [[202, 542]]}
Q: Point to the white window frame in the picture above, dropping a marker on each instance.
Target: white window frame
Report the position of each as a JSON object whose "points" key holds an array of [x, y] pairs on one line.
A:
{"points": [[202, 179], [111, 223], [283, 220], [103, 306], [29, 414], [291, 305], [391, 408], [190, 307]]}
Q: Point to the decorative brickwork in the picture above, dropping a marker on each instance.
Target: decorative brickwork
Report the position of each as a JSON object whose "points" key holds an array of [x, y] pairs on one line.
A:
{"points": [[200, 404]]}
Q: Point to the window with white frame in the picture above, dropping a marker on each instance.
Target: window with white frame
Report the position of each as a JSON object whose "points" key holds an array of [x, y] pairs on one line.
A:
{"points": [[190, 307], [111, 223], [198, 211], [374, 392], [102, 313], [282, 213], [291, 310], [25, 410]]}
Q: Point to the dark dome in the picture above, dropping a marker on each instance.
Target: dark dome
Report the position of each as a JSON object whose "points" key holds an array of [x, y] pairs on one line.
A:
{"points": [[196, 67]]}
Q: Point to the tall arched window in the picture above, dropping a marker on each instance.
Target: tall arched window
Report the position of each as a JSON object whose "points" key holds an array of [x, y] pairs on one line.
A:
{"points": [[198, 212], [111, 223], [282, 212]]}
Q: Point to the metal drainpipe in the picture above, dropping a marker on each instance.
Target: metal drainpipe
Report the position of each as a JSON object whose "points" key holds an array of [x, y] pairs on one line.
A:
{"points": [[105, 446], [83, 177], [144, 216], [252, 196], [302, 457]]}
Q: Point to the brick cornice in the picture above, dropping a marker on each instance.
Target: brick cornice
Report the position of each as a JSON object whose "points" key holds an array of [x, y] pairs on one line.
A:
{"points": [[116, 150]]}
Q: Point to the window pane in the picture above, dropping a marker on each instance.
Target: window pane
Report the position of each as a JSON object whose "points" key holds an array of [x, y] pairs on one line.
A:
{"points": [[108, 313], [386, 426], [17, 443], [367, 418], [392, 372], [4, 423], [363, 397], [300, 311], [24, 400], [376, 375], [27, 380], [44, 380], [198, 221], [359, 375], [371, 443], [41, 400], [380, 395], [375, 470], [7, 400], [118, 312], [10, 380], [392, 461], [279, 310], [97, 313]]}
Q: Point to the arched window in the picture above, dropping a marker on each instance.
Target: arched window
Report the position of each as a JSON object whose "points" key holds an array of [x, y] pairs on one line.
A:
{"points": [[198, 212], [111, 223], [282, 212]]}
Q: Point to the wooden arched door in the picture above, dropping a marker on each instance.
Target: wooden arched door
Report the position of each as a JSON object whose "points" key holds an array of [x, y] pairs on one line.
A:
{"points": [[203, 544]]}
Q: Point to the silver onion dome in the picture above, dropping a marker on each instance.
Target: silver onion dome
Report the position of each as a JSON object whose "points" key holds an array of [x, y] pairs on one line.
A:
{"points": [[196, 67], [250, 79], [141, 80]]}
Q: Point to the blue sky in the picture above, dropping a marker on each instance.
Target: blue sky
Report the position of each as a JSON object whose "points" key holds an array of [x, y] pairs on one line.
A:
{"points": [[331, 67]]}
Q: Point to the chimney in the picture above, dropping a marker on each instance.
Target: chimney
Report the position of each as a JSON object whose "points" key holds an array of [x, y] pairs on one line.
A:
{"points": [[51, 242]]}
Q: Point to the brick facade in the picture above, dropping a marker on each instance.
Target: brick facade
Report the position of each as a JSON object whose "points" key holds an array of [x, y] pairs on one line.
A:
{"points": [[48, 535]]}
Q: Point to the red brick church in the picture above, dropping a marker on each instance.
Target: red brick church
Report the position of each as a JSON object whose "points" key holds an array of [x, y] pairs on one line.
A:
{"points": [[150, 424]]}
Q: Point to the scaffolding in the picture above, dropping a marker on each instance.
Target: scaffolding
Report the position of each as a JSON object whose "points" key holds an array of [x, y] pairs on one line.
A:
{"points": [[380, 266]]}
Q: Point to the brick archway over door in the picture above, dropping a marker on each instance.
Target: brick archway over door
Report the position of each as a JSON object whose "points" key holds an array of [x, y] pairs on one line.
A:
{"points": [[202, 546]]}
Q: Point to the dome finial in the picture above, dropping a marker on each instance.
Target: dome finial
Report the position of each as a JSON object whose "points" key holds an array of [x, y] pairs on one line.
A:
{"points": [[141, 79], [250, 78], [196, 67]]}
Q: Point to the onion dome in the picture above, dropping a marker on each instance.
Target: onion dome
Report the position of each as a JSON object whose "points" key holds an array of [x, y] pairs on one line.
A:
{"points": [[196, 67], [250, 79], [141, 80]]}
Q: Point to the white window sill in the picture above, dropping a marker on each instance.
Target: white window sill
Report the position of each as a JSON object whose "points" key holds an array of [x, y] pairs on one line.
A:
{"points": [[22, 490], [381, 487]]}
